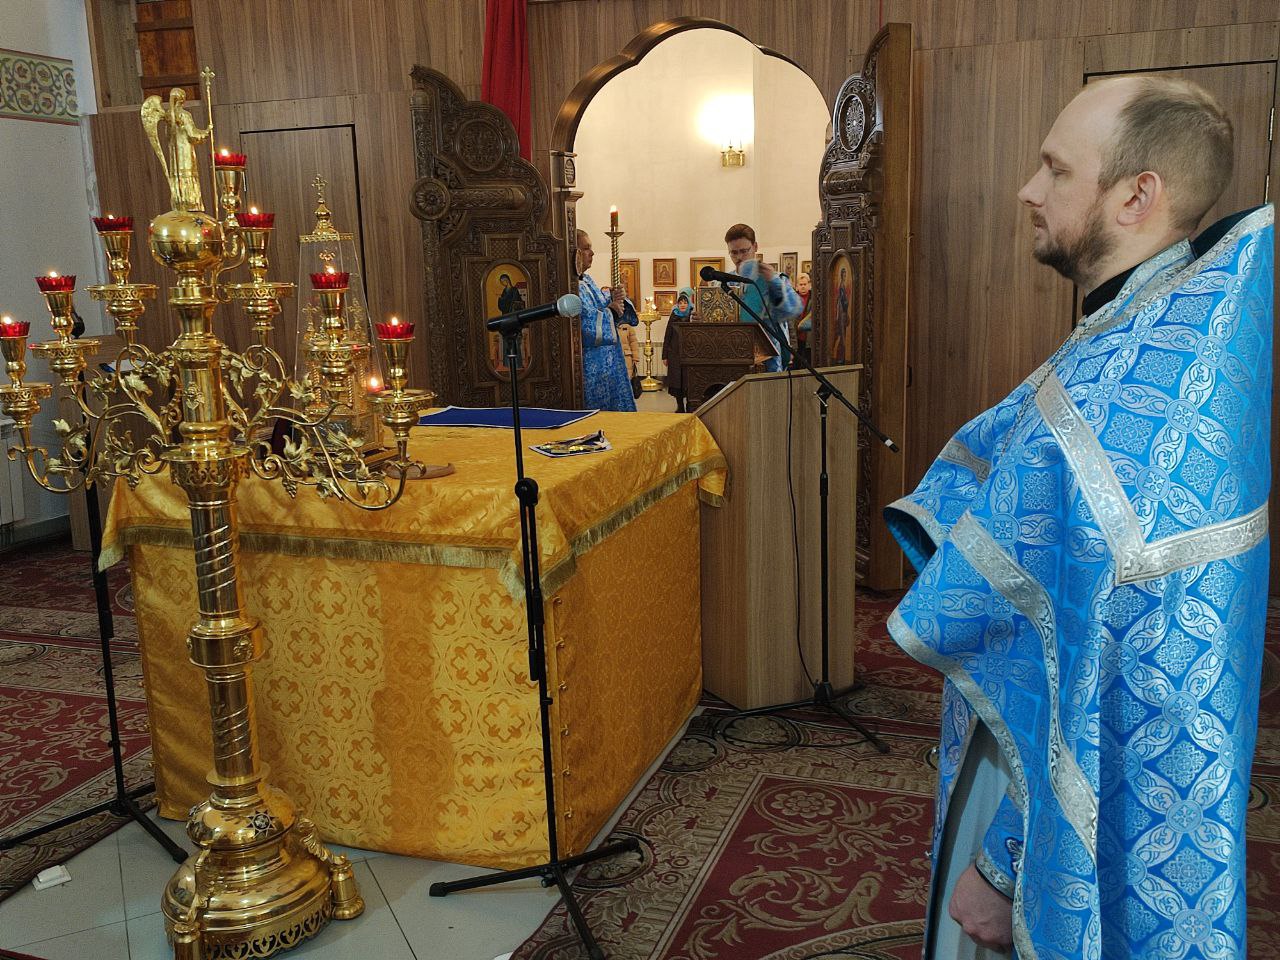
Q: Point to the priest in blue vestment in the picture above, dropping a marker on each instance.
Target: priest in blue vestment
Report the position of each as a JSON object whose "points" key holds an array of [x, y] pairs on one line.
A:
{"points": [[1092, 557], [605, 384]]}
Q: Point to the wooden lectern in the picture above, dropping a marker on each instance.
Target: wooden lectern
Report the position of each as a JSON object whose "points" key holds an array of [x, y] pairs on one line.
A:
{"points": [[712, 354], [749, 654]]}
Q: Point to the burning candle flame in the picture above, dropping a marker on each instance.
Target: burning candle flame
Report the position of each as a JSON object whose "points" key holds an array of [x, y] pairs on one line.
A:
{"points": [[395, 321], [6, 319], [224, 152], [329, 269], [53, 273], [375, 384], [254, 211]]}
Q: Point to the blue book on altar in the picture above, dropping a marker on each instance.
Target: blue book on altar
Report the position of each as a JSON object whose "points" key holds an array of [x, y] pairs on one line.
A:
{"points": [[531, 418]]}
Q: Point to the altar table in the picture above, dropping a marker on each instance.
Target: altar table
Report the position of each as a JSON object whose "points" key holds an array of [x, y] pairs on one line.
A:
{"points": [[394, 703]]}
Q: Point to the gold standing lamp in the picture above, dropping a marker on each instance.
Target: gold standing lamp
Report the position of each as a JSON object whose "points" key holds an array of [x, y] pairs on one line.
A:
{"points": [[327, 251], [649, 316], [260, 880]]}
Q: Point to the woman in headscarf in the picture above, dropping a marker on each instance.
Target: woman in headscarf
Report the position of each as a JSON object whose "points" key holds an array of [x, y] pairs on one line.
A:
{"points": [[683, 310]]}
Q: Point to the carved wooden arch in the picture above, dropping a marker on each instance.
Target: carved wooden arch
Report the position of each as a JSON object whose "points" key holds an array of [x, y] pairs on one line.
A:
{"points": [[564, 173], [864, 192], [481, 205]]}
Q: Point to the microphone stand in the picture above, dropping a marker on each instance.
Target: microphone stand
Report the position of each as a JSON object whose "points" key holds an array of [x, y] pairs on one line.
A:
{"points": [[824, 695], [554, 869], [123, 802]]}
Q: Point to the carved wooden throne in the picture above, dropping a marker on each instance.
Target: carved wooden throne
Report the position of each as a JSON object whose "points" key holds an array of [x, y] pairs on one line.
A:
{"points": [[861, 275], [481, 208]]}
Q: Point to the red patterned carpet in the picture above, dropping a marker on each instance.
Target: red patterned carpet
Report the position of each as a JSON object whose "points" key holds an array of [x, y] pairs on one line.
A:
{"points": [[781, 840], [55, 757]]}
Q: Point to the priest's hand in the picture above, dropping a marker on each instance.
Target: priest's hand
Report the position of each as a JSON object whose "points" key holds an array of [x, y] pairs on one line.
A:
{"points": [[767, 272], [983, 912], [615, 302]]}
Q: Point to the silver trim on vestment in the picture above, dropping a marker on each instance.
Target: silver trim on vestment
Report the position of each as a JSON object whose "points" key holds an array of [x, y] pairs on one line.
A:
{"points": [[1135, 559]]}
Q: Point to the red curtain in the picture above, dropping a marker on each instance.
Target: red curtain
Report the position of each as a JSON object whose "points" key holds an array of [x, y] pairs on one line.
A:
{"points": [[506, 66]]}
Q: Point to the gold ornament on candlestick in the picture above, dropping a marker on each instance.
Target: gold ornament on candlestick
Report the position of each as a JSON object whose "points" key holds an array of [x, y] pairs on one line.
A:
{"points": [[260, 881]]}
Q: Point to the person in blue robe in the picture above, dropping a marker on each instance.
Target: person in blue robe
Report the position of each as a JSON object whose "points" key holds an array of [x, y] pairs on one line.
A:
{"points": [[768, 293], [1092, 556], [604, 369]]}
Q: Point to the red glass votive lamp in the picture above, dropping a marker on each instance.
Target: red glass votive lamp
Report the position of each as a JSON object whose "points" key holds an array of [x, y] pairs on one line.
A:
{"points": [[10, 327], [395, 329], [110, 224], [56, 284], [330, 280], [256, 221], [225, 158]]}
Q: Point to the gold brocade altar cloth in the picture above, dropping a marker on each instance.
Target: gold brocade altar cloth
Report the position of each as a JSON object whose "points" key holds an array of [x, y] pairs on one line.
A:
{"points": [[394, 702]]}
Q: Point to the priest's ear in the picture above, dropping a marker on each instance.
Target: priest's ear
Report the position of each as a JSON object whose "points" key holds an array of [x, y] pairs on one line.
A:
{"points": [[1146, 197]]}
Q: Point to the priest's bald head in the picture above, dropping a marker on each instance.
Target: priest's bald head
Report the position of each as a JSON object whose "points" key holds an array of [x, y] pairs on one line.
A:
{"points": [[1130, 166]]}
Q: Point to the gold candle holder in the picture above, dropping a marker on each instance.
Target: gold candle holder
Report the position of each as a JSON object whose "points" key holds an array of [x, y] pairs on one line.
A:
{"points": [[65, 356], [124, 300], [398, 407], [13, 346], [333, 355], [262, 296], [21, 401]]}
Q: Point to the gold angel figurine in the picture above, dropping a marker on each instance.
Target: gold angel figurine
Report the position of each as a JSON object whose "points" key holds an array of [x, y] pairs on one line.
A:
{"points": [[179, 161]]}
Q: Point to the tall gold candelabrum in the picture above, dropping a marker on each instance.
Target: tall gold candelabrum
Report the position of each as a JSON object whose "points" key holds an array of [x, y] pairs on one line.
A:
{"points": [[260, 880]]}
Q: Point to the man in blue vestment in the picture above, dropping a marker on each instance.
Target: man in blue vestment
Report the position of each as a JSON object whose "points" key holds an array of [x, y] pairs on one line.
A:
{"points": [[1092, 557], [769, 293], [605, 384]]}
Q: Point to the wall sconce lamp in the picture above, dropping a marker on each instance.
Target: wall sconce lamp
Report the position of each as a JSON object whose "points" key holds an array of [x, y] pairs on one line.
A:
{"points": [[733, 156]]}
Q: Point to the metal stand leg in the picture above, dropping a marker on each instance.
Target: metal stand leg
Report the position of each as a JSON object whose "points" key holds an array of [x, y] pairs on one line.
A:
{"points": [[123, 803]]}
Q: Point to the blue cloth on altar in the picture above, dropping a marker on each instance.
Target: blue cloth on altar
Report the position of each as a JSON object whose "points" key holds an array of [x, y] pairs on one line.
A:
{"points": [[1093, 562], [531, 418], [605, 384]]}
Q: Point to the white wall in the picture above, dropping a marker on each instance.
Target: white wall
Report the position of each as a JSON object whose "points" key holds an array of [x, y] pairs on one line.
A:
{"points": [[45, 183], [647, 144]]}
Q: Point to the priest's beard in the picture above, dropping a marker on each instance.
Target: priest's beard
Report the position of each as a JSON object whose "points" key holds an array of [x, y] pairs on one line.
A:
{"points": [[1077, 257]]}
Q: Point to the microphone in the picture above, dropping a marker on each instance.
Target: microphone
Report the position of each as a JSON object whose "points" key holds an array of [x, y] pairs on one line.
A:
{"points": [[566, 306], [711, 273]]}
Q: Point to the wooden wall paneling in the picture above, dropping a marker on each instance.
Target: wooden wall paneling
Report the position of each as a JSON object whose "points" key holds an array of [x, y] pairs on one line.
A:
{"points": [[113, 45], [392, 235], [1168, 49], [1100, 17], [297, 49], [984, 312]]}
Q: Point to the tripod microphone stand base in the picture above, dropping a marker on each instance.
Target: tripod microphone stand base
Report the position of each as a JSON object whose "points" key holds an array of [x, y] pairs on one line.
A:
{"points": [[552, 872], [826, 698], [123, 805]]}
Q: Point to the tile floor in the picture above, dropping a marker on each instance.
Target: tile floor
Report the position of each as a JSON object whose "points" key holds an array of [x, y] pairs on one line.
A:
{"points": [[111, 908]]}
